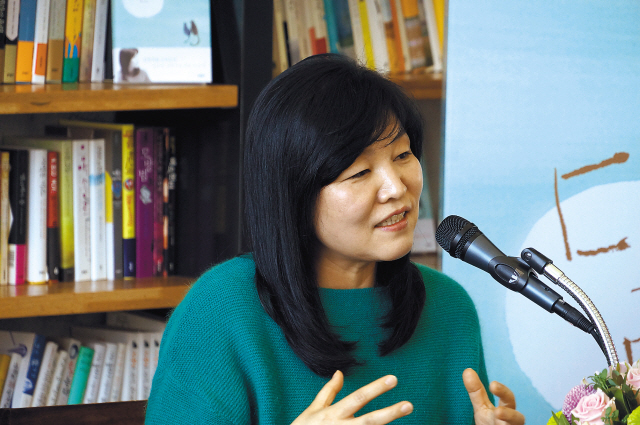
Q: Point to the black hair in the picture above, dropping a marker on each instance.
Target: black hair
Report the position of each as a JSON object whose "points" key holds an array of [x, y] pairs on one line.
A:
{"points": [[306, 127]]}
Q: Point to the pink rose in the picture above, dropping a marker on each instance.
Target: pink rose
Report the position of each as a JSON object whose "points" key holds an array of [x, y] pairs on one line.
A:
{"points": [[591, 409], [633, 379]]}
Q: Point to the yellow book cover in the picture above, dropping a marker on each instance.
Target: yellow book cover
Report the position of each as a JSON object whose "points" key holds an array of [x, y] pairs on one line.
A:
{"points": [[366, 34], [5, 220], [72, 41], [438, 7], [11, 34], [86, 49], [128, 189], [4, 368], [26, 34], [55, 47]]}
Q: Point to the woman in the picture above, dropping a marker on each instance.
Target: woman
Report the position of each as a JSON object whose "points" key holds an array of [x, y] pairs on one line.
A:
{"points": [[327, 320]]}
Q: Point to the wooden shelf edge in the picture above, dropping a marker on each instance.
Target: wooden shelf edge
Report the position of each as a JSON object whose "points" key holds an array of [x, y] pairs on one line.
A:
{"points": [[122, 413], [421, 85], [91, 297], [97, 97]]}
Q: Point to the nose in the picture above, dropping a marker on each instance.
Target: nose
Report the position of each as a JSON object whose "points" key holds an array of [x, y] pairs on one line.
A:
{"points": [[392, 186]]}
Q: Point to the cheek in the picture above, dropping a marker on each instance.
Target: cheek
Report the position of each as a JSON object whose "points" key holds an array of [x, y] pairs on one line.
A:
{"points": [[414, 179], [338, 207]]}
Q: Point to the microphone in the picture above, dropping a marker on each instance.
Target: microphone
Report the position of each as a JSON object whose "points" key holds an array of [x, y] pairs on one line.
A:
{"points": [[463, 240]]}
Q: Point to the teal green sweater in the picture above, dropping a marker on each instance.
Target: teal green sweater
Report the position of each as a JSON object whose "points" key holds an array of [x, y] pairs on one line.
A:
{"points": [[224, 361]]}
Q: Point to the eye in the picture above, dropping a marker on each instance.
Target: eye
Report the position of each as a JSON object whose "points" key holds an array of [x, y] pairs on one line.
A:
{"points": [[360, 174], [404, 155]]}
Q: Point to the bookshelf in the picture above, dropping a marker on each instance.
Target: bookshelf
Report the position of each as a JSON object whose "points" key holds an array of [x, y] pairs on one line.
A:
{"points": [[421, 85]]}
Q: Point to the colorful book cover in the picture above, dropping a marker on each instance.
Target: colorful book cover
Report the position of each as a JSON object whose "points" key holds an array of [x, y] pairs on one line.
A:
{"points": [[5, 217], [18, 188], [53, 217], [145, 189], [86, 47], [55, 45], [169, 196], [161, 42], [128, 189], [45, 375], [378, 35], [72, 41], [31, 378], [158, 202], [345, 32], [10, 380], [99, 41], [317, 28], [11, 41], [414, 33], [3, 27], [80, 375], [40, 39], [5, 361], [400, 36], [26, 35], [81, 210], [37, 217], [97, 209]]}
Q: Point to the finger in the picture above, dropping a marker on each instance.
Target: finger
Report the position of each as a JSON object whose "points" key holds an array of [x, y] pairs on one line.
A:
{"points": [[349, 405], [508, 416], [386, 415], [507, 399], [328, 393], [477, 393]]}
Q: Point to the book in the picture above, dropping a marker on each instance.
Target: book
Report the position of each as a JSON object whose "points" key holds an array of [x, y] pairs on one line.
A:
{"points": [[378, 35], [55, 44], [26, 34], [5, 217], [108, 372], [65, 196], [293, 39], [128, 189], [3, 27], [45, 375], [169, 207], [81, 210], [18, 188], [413, 29], [53, 218], [345, 32], [40, 40], [317, 27], [72, 41], [86, 46], [162, 42], [97, 209], [72, 347], [10, 380], [21, 344], [158, 201], [433, 35], [60, 364], [80, 375], [145, 190], [118, 373], [99, 41], [11, 41], [25, 385], [37, 217], [5, 361], [401, 46], [95, 373], [359, 45], [280, 55]]}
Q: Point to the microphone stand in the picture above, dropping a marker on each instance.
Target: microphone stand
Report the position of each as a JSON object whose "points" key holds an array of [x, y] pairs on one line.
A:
{"points": [[544, 265]]}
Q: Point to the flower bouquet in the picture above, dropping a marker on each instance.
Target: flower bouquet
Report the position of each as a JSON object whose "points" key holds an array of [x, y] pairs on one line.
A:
{"points": [[611, 398]]}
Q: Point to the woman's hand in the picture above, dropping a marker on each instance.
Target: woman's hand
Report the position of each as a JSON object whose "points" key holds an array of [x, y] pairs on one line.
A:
{"points": [[484, 412], [322, 410]]}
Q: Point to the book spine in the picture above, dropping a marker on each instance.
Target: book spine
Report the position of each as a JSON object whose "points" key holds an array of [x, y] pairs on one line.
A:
{"points": [[53, 224], [97, 210], [55, 45], [11, 41], [158, 203], [169, 192], [45, 376], [5, 360], [72, 41], [86, 48], [5, 217], [114, 198], [37, 217], [144, 367], [434, 36], [108, 370], [26, 34], [93, 380], [80, 376], [400, 32], [62, 358], [10, 382], [39, 68], [378, 36], [130, 375], [99, 41], [18, 187], [414, 33], [365, 27], [293, 38], [356, 29], [145, 188], [81, 212], [118, 374], [67, 376], [3, 27], [67, 234], [128, 204], [35, 362]]}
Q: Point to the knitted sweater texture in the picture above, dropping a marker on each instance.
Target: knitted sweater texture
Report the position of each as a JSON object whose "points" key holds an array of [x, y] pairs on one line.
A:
{"points": [[224, 361]]}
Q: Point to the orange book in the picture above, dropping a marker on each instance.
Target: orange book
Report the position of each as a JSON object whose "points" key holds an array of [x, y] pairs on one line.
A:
{"points": [[26, 34]]}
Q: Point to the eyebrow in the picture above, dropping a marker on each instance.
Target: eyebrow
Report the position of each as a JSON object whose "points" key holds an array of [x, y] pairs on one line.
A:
{"points": [[401, 132]]}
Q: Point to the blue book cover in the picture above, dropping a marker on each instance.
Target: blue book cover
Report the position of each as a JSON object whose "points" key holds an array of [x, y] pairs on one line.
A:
{"points": [[34, 364], [156, 41]]}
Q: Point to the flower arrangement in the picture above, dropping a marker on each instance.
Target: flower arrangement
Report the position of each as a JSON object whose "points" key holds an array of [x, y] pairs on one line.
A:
{"points": [[611, 398]]}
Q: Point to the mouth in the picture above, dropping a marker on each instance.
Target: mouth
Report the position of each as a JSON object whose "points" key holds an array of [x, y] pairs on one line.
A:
{"points": [[392, 220]]}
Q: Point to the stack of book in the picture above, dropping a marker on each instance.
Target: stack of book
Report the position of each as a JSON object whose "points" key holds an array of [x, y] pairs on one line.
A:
{"points": [[88, 201], [391, 36], [115, 362], [68, 41]]}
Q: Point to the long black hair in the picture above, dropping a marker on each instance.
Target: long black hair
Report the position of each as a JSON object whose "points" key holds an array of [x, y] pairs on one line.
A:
{"points": [[307, 126]]}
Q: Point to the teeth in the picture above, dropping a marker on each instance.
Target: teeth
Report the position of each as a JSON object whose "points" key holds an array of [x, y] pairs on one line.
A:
{"points": [[392, 220]]}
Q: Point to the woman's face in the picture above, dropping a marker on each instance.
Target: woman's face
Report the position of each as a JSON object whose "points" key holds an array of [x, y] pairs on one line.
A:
{"points": [[370, 211]]}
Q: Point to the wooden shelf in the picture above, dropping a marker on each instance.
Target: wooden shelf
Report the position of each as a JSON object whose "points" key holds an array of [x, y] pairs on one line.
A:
{"points": [[422, 85], [96, 97], [92, 297]]}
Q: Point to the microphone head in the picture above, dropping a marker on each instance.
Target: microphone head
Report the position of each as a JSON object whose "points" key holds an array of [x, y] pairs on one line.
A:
{"points": [[453, 233]]}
